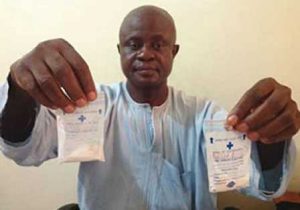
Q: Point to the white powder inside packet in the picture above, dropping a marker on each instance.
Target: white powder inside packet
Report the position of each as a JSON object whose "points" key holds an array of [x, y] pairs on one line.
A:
{"points": [[228, 157], [80, 134]]}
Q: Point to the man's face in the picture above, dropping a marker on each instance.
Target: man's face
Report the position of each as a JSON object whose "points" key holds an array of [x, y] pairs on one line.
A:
{"points": [[147, 49]]}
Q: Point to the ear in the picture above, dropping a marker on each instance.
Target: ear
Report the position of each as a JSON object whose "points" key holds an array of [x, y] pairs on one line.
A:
{"points": [[119, 50], [175, 50]]}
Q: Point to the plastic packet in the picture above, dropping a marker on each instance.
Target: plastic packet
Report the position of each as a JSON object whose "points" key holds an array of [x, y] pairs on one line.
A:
{"points": [[228, 157], [81, 134]]}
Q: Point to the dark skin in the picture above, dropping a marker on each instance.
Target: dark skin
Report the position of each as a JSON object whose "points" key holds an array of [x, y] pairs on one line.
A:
{"points": [[50, 66], [147, 49], [266, 112]]}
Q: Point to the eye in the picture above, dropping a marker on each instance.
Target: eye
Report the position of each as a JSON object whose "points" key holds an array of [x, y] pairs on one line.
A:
{"points": [[157, 45], [133, 45]]}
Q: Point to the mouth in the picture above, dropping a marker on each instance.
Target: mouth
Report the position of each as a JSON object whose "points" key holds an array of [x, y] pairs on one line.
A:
{"points": [[145, 69]]}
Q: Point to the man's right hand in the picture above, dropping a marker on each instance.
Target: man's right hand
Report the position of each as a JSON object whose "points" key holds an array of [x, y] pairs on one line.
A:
{"points": [[55, 75]]}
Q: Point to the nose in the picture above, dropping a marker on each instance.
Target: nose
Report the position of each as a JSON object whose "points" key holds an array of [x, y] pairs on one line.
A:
{"points": [[145, 53]]}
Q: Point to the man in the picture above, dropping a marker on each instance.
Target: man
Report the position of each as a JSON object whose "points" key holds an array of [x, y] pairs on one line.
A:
{"points": [[154, 143]]}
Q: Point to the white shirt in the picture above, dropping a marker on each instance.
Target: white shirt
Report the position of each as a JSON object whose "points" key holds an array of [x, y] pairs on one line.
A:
{"points": [[155, 157]]}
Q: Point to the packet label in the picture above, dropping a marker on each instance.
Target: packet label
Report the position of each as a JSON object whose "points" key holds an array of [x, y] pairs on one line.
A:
{"points": [[80, 134], [228, 157]]}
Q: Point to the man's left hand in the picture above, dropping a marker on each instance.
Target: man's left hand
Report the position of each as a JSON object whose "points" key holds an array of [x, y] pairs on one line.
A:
{"points": [[266, 112]]}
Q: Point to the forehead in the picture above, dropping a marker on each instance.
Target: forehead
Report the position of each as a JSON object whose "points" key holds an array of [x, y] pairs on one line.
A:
{"points": [[146, 26]]}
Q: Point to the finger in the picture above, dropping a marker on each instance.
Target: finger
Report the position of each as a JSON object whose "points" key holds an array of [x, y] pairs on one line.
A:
{"points": [[49, 86], [278, 124], [63, 73], [26, 81], [250, 100], [81, 70], [267, 111], [286, 134], [41, 98]]}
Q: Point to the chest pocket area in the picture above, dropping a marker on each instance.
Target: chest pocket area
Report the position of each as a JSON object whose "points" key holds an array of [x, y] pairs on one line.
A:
{"points": [[174, 190]]}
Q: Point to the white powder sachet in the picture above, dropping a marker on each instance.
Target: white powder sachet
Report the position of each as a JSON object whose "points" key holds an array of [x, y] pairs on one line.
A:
{"points": [[228, 157], [80, 134]]}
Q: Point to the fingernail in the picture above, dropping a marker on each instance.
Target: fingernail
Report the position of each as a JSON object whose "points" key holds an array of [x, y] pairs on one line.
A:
{"points": [[265, 141], [253, 136], [232, 120], [81, 102], [92, 96], [243, 127], [69, 109], [228, 127]]}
